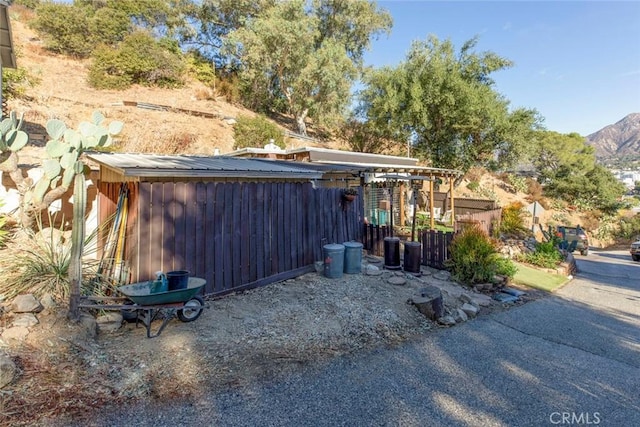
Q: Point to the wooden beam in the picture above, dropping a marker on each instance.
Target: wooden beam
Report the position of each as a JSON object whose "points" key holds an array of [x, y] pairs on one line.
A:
{"points": [[401, 202]]}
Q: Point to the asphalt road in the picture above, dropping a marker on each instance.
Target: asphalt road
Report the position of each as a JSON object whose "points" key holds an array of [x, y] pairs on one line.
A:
{"points": [[570, 359]]}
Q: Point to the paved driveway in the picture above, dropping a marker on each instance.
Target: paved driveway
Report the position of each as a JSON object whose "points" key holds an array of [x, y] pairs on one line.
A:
{"points": [[570, 359]]}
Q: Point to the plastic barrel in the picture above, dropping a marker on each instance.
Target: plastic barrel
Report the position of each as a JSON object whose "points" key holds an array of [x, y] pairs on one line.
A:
{"points": [[412, 257], [178, 279], [352, 257], [333, 260], [392, 253]]}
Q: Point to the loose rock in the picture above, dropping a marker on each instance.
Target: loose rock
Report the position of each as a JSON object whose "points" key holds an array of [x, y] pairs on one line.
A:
{"points": [[18, 333], [109, 322], [447, 321], [397, 280], [26, 304], [460, 316], [469, 309], [25, 319]]}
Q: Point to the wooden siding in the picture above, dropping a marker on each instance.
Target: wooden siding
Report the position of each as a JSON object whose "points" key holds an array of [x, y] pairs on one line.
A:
{"points": [[463, 205], [487, 220], [234, 235]]}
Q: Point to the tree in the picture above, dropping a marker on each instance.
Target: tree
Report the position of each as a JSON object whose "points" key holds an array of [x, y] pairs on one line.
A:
{"points": [[567, 169], [209, 21], [77, 29], [362, 137], [303, 61], [444, 102]]}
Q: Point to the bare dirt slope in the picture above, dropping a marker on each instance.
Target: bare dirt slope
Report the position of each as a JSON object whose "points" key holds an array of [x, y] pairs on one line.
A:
{"points": [[63, 93]]}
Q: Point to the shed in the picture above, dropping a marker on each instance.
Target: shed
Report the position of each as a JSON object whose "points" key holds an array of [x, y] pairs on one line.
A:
{"points": [[236, 222]]}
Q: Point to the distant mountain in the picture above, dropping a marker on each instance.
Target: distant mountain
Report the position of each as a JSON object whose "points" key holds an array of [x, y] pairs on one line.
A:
{"points": [[618, 141]]}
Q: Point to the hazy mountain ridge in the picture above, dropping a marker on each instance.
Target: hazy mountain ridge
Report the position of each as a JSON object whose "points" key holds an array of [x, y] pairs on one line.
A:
{"points": [[619, 140]]}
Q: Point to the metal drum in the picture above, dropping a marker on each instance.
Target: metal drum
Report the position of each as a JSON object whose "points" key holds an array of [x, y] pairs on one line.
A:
{"points": [[352, 257], [333, 260]]}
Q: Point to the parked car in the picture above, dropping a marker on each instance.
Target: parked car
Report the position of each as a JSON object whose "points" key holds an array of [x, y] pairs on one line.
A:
{"points": [[635, 250], [576, 238]]}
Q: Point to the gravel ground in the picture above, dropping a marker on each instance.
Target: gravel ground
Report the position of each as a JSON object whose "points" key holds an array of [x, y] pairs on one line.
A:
{"points": [[242, 338]]}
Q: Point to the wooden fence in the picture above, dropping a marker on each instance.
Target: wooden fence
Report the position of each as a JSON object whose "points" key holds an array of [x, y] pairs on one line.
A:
{"points": [[435, 244], [489, 221], [235, 235], [373, 238], [435, 247]]}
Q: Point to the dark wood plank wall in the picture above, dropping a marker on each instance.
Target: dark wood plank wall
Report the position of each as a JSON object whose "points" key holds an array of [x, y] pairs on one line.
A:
{"points": [[435, 247], [235, 235]]}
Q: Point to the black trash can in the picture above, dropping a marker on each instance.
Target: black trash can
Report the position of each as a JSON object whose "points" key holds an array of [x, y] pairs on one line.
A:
{"points": [[392, 253], [412, 257], [178, 279]]}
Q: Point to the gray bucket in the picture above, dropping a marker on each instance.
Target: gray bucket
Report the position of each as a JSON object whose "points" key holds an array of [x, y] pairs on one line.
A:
{"points": [[178, 279], [352, 257], [333, 260]]}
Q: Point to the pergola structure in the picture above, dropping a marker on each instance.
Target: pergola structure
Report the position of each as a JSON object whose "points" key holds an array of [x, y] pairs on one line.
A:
{"points": [[367, 166]]}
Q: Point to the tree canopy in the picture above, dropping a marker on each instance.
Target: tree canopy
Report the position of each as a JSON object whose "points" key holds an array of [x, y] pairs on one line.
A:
{"points": [[567, 168], [302, 60], [443, 101]]}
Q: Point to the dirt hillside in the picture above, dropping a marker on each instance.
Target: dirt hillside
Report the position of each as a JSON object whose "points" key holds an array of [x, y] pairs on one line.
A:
{"points": [[63, 93]]}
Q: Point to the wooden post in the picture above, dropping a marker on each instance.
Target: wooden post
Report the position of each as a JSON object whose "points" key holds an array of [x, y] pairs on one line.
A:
{"points": [[402, 214], [431, 212], [452, 205]]}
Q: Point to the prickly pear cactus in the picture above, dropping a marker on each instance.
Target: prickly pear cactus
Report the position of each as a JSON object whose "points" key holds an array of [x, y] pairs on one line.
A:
{"points": [[12, 138], [64, 149]]}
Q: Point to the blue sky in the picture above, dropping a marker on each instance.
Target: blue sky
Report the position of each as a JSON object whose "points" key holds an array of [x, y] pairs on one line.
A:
{"points": [[576, 62]]}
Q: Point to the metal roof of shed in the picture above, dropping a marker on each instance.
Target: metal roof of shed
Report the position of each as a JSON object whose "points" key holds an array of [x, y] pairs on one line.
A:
{"points": [[347, 161], [161, 166]]}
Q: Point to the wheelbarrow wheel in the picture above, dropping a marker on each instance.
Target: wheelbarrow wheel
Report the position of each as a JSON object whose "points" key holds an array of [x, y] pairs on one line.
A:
{"points": [[192, 309]]}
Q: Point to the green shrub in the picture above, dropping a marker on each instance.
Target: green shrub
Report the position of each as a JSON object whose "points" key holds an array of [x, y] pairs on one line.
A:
{"points": [[39, 261], [15, 82], [474, 257], [29, 4], [629, 228], [546, 254], [64, 28], [506, 267], [139, 59], [512, 221], [473, 185], [519, 183], [256, 132], [200, 68]]}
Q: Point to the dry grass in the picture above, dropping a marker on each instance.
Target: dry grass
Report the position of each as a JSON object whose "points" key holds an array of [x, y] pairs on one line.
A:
{"points": [[49, 387]]}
